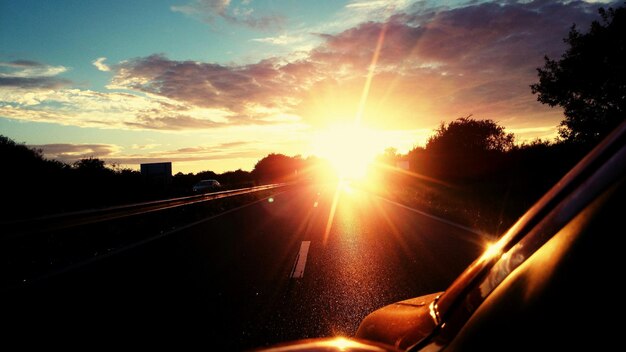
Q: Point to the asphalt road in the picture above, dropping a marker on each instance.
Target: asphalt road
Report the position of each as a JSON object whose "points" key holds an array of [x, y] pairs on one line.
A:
{"points": [[240, 280]]}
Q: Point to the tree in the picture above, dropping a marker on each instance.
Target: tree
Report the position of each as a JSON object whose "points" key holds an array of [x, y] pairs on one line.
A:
{"points": [[12, 153], [589, 80], [238, 178], [464, 149], [206, 175], [276, 167], [470, 136], [93, 165]]}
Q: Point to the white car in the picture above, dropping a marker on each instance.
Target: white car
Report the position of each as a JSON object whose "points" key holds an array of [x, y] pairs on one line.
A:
{"points": [[207, 186]]}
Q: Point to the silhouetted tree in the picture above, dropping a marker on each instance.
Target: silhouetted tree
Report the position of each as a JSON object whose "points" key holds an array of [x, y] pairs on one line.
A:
{"points": [[12, 152], [317, 169], [467, 135], [92, 166], [206, 175], [24, 164], [465, 148], [29, 182], [589, 80], [390, 156], [276, 167], [235, 179], [183, 183]]}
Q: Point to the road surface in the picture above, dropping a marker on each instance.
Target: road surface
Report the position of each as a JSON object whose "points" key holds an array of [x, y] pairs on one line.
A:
{"points": [[272, 271]]}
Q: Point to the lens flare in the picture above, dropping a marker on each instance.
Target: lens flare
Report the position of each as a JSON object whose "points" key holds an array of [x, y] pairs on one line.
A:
{"points": [[350, 148]]}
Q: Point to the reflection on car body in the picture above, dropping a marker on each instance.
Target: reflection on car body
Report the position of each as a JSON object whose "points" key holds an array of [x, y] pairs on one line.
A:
{"points": [[548, 283], [207, 186]]}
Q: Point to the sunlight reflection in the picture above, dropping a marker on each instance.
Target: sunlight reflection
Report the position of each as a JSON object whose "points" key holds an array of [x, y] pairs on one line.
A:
{"points": [[382, 211], [331, 214], [334, 344], [493, 249], [346, 187], [342, 343], [412, 174]]}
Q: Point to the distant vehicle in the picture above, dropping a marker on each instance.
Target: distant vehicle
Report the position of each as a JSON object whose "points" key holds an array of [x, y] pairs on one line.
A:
{"points": [[207, 186], [552, 281]]}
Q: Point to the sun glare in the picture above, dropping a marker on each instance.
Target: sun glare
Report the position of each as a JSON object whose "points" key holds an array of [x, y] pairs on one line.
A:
{"points": [[350, 148]]}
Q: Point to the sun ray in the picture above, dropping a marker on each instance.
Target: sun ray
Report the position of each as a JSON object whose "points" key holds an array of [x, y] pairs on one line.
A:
{"points": [[370, 75], [393, 228], [331, 213], [413, 174], [361, 156]]}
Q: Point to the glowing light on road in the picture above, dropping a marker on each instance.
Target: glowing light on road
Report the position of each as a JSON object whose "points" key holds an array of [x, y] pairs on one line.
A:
{"points": [[345, 187], [337, 343], [331, 214], [342, 343]]}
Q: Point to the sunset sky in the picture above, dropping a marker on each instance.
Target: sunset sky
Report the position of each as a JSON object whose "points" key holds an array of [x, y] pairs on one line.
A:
{"points": [[218, 84]]}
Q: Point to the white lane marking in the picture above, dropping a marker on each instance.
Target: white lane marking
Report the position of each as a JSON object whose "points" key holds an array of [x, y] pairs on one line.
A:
{"points": [[298, 267], [315, 205]]}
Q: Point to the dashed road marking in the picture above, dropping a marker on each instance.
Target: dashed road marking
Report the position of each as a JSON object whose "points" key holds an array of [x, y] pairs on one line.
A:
{"points": [[298, 267]]}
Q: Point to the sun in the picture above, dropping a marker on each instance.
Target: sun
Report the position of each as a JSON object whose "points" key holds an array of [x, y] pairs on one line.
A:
{"points": [[350, 148]]}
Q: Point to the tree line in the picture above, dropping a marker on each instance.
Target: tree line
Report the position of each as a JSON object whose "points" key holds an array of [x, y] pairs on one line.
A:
{"points": [[33, 185]]}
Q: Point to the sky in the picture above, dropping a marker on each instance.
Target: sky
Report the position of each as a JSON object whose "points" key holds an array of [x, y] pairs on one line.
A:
{"points": [[219, 84]]}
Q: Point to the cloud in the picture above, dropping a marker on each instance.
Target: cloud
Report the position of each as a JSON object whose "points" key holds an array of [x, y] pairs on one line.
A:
{"points": [[144, 146], [35, 82], [362, 11], [100, 65], [116, 110], [217, 7], [22, 64], [210, 10], [282, 39], [434, 64], [355, 47], [219, 151], [385, 6], [217, 148], [31, 74], [444, 64], [29, 69], [171, 123], [111, 153], [250, 92], [69, 153], [159, 158]]}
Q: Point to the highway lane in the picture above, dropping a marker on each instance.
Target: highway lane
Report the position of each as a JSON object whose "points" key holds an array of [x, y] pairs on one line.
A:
{"points": [[233, 282]]}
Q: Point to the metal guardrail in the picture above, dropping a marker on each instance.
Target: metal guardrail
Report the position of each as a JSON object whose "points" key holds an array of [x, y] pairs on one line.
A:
{"points": [[40, 248], [20, 228]]}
